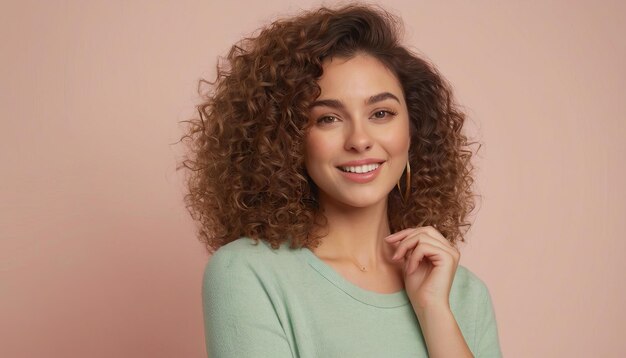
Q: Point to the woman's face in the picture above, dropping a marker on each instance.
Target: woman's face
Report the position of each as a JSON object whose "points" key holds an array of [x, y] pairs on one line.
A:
{"points": [[357, 146]]}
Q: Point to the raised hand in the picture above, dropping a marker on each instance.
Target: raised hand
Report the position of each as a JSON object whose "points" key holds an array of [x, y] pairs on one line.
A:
{"points": [[430, 262]]}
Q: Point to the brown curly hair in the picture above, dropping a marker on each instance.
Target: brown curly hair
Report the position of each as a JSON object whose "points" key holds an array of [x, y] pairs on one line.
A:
{"points": [[246, 173]]}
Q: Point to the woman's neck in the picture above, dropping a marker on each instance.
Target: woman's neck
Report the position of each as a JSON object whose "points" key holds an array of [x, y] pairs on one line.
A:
{"points": [[356, 234]]}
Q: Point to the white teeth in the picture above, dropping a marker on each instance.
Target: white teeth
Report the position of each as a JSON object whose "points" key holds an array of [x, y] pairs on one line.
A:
{"points": [[361, 168]]}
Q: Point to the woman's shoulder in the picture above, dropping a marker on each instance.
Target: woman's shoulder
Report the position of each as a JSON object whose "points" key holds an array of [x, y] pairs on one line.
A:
{"points": [[249, 247], [467, 286], [465, 276], [246, 253]]}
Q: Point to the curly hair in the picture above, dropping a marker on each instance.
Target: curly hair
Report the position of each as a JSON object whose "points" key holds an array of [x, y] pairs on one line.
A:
{"points": [[245, 166]]}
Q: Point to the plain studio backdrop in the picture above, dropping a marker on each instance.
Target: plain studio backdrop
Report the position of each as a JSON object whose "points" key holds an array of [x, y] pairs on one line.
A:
{"points": [[98, 256]]}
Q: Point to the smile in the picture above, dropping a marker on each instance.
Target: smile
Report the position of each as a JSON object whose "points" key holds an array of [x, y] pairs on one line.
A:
{"points": [[359, 169], [361, 174]]}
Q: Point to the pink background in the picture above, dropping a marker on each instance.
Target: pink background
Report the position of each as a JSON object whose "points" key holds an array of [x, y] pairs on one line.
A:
{"points": [[98, 256]]}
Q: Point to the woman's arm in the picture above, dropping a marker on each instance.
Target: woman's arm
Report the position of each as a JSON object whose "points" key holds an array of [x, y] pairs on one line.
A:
{"points": [[441, 332], [430, 263], [239, 317], [487, 339]]}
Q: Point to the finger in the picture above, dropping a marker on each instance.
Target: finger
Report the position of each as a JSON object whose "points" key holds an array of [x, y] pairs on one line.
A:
{"points": [[435, 254], [409, 243], [399, 235], [427, 229], [405, 245], [416, 257], [414, 239], [437, 235], [444, 245]]}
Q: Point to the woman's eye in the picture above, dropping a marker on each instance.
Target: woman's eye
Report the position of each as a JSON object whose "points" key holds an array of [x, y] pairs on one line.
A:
{"points": [[382, 114], [327, 120]]}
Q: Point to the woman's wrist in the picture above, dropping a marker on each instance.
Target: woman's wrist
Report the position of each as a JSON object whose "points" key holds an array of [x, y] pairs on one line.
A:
{"points": [[432, 311], [441, 332]]}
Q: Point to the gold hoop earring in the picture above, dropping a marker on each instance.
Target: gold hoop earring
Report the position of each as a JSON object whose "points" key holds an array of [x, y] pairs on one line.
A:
{"points": [[407, 188]]}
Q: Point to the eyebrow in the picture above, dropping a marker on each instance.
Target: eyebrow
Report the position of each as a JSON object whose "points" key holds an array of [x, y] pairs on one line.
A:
{"points": [[381, 97], [337, 104]]}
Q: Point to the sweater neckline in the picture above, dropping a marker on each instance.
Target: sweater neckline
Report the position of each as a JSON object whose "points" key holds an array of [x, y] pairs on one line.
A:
{"points": [[382, 300]]}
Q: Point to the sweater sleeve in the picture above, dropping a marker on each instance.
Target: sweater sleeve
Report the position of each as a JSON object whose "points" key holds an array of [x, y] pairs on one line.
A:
{"points": [[239, 317], [487, 344]]}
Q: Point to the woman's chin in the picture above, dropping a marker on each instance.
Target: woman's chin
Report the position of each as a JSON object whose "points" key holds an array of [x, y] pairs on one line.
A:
{"points": [[358, 202]]}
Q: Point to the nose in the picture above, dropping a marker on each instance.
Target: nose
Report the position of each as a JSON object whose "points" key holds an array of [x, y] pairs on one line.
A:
{"points": [[357, 138]]}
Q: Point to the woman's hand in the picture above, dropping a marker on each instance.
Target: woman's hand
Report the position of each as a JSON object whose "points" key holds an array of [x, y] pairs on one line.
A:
{"points": [[430, 262]]}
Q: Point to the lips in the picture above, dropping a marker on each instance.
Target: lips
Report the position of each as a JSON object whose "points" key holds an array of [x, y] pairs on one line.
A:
{"points": [[361, 171]]}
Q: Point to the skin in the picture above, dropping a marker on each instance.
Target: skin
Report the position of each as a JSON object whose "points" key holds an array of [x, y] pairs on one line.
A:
{"points": [[361, 113]]}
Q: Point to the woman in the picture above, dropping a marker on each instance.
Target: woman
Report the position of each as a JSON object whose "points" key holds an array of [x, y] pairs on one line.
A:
{"points": [[332, 181]]}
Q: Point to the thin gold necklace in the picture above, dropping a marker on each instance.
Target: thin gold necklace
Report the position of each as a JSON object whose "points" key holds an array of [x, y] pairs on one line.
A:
{"points": [[361, 267]]}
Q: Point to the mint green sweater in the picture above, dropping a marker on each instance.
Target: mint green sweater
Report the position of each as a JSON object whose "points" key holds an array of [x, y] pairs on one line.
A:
{"points": [[260, 302]]}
